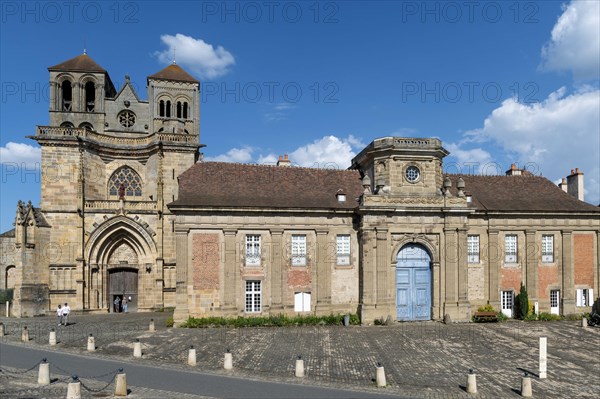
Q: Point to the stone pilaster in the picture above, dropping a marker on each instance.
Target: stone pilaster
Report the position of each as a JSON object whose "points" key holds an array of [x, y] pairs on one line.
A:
{"points": [[323, 274], [232, 275], [494, 268], [568, 273], [181, 273], [451, 266], [464, 306], [532, 250], [277, 282], [383, 269], [367, 273]]}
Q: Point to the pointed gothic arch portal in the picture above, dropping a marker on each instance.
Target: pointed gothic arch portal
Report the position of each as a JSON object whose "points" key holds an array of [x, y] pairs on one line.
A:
{"points": [[413, 283]]}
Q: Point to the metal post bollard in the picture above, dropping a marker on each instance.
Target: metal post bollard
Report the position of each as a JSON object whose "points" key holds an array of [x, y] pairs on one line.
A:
{"points": [[44, 373], [380, 376], [25, 334], [74, 389], [91, 343], [471, 382], [121, 384], [299, 367], [526, 390], [228, 361], [137, 348], [192, 356]]}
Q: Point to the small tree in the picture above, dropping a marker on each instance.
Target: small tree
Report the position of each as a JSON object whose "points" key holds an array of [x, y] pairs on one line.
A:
{"points": [[522, 303]]}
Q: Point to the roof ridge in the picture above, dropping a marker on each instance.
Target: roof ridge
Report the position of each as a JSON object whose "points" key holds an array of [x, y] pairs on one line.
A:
{"points": [[294, 167]]}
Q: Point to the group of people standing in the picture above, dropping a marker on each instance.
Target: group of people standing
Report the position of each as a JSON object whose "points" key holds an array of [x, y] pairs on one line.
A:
{"points": [[120, 305], [63, 314]]}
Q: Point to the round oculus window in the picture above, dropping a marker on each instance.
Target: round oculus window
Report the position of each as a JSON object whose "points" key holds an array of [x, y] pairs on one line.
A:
{"points": [[127, 118], [412, 174]]}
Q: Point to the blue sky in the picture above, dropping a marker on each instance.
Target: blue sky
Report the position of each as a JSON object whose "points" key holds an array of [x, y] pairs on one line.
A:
{"points": [[498, 82]]}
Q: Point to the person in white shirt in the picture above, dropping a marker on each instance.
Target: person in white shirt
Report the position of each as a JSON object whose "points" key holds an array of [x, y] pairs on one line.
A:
{"points": [[59, 314], [65, 313]]}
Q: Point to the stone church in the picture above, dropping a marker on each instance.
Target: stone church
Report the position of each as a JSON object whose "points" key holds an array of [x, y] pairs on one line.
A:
{"points": [[129, 209]]}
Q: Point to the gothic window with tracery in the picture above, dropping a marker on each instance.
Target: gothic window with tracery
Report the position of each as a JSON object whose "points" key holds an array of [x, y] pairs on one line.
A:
{"points": [[130, 181], [127, 118]]}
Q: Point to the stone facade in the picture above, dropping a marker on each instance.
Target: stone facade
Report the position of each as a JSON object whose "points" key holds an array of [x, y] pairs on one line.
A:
{"points": [[126, 210]]}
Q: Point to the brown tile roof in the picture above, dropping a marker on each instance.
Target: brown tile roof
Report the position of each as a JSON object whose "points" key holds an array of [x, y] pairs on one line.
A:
{"points": [[173, 72], [216, 184], [81, 63], [526, 193]]}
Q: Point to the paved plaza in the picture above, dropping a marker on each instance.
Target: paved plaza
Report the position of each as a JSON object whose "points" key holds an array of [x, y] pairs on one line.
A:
{"points": [[423, 360]]}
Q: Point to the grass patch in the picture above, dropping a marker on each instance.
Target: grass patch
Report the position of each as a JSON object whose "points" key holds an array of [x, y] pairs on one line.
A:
{"points": [[280, 320]]}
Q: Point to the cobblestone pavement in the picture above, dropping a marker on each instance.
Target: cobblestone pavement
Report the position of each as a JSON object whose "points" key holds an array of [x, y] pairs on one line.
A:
{"points": [[424, 360]]}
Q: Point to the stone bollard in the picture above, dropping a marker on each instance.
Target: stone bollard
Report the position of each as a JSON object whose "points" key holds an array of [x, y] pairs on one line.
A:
{"points": [[25, 334], [471, 382], [526, 386], [228, 361], [380, 376], [137, 348], [192, 356], [1, 329], [52, 338], [299, 367], [543, 357], [74, 389], [44, 373], [121, 384], [151, 328], [584, 322], [91, 345]]}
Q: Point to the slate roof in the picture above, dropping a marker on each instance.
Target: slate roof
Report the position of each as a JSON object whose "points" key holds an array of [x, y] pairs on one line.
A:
{"points": [[81, 63], [526, 193], [174, 72], [8, 233], [221, 184]]}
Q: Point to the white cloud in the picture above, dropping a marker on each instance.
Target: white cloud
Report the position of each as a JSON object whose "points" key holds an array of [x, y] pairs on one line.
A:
{"points": [[551, 137], [269, 159], [469, 161], [241, 155], [20, 153], [575, 41], [200, 57]]}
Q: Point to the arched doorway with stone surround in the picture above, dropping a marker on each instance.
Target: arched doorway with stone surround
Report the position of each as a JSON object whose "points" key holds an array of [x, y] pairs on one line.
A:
{"points": [[413, 283], [122, 262]]}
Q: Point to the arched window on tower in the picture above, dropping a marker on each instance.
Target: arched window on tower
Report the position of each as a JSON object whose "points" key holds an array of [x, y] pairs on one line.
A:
{"points": [[161, 108], [66, 124], [168, 113], [185, 110], [90, 96], [87, 126], [128, 179], [67, 95], [179, 109]]}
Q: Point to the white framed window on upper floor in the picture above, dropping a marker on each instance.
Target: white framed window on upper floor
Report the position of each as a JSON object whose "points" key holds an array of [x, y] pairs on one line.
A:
{"points": [[473, 249], [252, 250], [298, 250], [510, 248], [253, 296], [547, 248], [302, 302], [343, 249], [585, 297]]}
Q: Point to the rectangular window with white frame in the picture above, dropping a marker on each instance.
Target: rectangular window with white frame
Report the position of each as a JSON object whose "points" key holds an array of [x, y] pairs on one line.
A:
{"points": [[507, 302], [554, 301], [510, 248], [547, 249], [343, 249], [252, 250], [253, 296], [298, 250], [473, 248], [302, 302], [585, 297]]}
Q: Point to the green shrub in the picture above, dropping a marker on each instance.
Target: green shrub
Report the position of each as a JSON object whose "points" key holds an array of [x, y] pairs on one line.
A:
{"points": [[169, 322], [502, 316], [279, 320], [486, 308], [522, 302], [544, 316]]}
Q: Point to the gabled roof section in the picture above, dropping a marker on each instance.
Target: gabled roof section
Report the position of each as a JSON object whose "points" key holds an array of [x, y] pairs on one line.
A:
{"points": [[81, 63], [524, 193], [221, 184], [174, 73], [8, 234], [127, 90]]}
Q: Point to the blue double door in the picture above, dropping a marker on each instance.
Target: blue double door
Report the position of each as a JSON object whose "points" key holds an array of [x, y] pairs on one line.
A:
{"points": [[413, 283]]}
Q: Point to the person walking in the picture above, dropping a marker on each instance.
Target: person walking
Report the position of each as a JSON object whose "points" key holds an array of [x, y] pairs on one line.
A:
{"points": [[124, 304], [59, 314], [65, 313], [117, 303]]}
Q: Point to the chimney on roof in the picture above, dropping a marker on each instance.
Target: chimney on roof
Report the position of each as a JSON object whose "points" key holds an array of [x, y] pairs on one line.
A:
{"points": [[563, 185], [514, 171], [284, 161], [575, 184]]}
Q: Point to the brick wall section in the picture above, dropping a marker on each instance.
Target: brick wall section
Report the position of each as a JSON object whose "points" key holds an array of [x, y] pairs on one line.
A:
{"points": [[547, 276], [205, 258], [299, 277], [583, 259], [511, 279]]}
